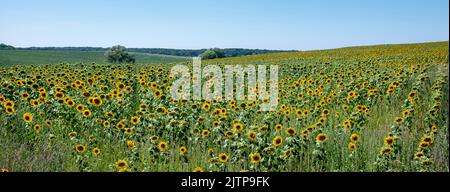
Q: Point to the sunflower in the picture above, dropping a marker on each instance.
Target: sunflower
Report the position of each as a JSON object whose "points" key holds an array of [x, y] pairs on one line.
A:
{"points": [[386, 151], [419, 154], [69, 103], [87, 113], [97, 101], [228, 134], [72, 134], [80, 148], [390, 91], [27, 117], [135, 120], [223, 157], [59, 95], [106, 123], [205, 133], [130, 144], [291, 131], [305, 133], [255, 158], [398, 120], [305, 113], [8, 103], [278, 127], [5, 170], [183, 150], [251, 135], [96, 151], [9, 110], [344, 107], [162, 146], [80, 108], [206, 106], [120, 125], [287, 154], [129, 131], [48, 122], [351, 146], [427, 139], [238, 126], [298, 112], [424, 144], [37, 127], [277, 141], [154, 138], [389, 140], [121, 164], [321, 137], [198, 169], [406, 113], [352, 94], [34, 102], [109, 114], [354, 137]]}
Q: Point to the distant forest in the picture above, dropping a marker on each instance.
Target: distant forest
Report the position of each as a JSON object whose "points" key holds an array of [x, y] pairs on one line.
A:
{"points": [[229, 52]]}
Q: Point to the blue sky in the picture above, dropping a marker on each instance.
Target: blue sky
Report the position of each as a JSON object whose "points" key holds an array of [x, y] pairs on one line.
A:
{"points": [[264, 24]]}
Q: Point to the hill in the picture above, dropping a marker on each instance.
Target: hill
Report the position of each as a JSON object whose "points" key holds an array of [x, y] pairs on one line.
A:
{"points": [[10, 57]]}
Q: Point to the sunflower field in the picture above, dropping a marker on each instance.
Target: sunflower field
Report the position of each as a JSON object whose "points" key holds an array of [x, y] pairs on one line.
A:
{"points": [[375, 108]]}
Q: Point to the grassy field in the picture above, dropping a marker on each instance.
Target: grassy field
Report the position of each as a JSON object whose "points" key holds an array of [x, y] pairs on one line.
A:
{"points": [[373, 108], [10, 57]]}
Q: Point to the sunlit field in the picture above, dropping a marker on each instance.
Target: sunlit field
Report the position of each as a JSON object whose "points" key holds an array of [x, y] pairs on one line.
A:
{"points": [[375, 108]]}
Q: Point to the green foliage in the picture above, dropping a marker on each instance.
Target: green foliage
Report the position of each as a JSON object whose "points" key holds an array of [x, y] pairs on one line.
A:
{"points": [[119, 54], [213, 54], [6, 47]]}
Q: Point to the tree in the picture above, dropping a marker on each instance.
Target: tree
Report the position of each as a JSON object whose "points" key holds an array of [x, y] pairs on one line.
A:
{"points": [[119, 54], [6, 47], [213, 53]]}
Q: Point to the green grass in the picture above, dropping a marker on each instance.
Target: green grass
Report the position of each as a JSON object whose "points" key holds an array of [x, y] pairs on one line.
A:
{"points": [[13, 57]]}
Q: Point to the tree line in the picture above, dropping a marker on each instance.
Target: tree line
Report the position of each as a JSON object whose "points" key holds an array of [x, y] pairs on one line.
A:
{"points": [[228, 52]]}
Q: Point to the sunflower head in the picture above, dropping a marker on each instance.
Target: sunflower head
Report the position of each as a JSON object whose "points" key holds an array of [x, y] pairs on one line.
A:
{"points": [[96, 151], [135, 120], [277, 141], [351, 146], [321, 137], [205, 133], [228, 134], [238, 126], [27, 117], [354, 137], [80, 148], [162, 146], [223, 157], [255, 157], [389, 140], [291, 131], [121, 164], [183, 150], [198, 169], [251, 135], [278, 127]]}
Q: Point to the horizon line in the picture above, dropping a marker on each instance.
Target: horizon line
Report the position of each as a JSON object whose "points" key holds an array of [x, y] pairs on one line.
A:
{"points": [[286, 50]]}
